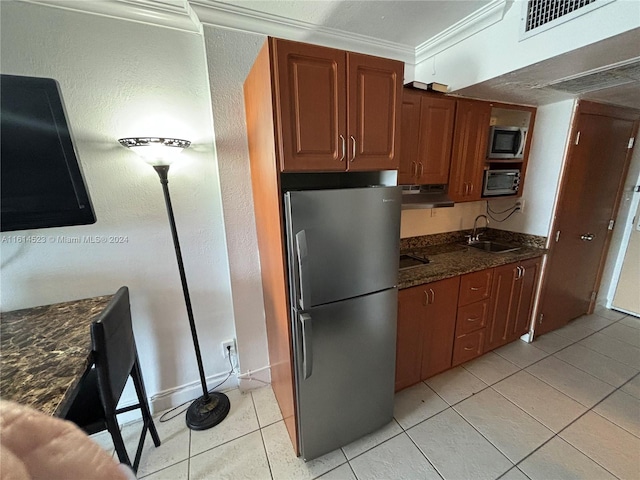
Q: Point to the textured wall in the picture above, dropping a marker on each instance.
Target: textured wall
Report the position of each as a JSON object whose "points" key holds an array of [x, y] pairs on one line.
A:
{"points": [[118, 79], [230, 56]]}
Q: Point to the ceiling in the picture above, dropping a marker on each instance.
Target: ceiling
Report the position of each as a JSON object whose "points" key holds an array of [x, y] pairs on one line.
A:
{"points": [[409, 23], [412, 23]]}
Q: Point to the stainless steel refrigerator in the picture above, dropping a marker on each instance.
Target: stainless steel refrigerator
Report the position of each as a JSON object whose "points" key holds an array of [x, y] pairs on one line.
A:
{"points": [[343, 250]]}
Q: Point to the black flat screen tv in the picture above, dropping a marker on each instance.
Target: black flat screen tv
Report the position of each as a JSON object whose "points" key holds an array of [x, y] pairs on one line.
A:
{"points": [[40, 176]]}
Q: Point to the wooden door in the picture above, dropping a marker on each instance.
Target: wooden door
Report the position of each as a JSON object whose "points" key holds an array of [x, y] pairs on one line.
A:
{"points": [[469, 150], [311, 106], [374, 104], [439, 325], [523, 302], [409, 137], [501, 310], [597, 163], [436, 134], [411, 311]]}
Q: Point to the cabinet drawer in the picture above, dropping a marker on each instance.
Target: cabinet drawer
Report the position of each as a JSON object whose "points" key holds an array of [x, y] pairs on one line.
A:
{"points": [[475, 286], [468, 347], [472, 317]]}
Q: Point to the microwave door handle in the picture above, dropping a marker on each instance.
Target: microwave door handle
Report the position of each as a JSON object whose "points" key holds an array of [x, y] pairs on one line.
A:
{"points": [[523, 140], [303, 270]]}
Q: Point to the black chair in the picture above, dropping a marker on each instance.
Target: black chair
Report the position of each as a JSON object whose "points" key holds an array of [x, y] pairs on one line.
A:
{"points": [[116, 358]]}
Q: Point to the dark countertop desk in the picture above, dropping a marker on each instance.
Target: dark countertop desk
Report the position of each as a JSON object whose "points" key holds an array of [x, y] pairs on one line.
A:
{"points": [[45, 351]]}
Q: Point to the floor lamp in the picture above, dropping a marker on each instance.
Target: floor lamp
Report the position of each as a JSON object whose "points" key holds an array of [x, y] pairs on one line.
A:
{"points": [[211, 408]]}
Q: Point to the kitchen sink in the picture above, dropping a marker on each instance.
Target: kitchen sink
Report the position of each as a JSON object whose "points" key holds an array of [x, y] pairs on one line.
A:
{"points": [[493, 247]]}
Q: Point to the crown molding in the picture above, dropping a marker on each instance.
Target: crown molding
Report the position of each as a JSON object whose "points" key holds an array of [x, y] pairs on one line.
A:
{"points": [[190, 15], [174, 14], [224, 15], [482, 18]]}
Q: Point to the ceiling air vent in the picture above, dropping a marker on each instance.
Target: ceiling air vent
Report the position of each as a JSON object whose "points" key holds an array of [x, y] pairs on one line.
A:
{"points": [[540, 15]]}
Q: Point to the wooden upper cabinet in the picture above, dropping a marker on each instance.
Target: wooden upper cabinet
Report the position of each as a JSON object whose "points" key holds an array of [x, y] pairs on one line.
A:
{"points": [[336, 110], [427, 133], [469, 150], [311, 106], [374, 94], [410, 136], [436, 134]]}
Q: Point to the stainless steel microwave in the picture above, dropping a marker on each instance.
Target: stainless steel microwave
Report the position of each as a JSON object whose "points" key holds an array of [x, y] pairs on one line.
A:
{"points": [[501, 182], [506, 142]]}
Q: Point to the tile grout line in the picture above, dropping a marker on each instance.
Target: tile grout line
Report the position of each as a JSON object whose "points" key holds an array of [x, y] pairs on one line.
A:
{"points": [[422, 453], [260, 427], [612, 393], [578, 418]]}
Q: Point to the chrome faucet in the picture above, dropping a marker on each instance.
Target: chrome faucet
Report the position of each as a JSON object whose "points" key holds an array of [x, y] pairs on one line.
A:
{"points": [[475, 237]]}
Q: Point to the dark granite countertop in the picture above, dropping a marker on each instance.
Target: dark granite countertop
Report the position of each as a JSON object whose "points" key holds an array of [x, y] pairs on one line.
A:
{"points": [[45, 350], [451, 258]]}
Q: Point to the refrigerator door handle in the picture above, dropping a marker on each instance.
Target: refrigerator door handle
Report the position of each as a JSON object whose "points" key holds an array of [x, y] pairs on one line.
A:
{"points": [[303, 269], [307, 352]]}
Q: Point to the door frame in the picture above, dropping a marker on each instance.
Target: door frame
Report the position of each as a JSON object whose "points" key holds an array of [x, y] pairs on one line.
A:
{"points": [[629, 225], [592, 108]]}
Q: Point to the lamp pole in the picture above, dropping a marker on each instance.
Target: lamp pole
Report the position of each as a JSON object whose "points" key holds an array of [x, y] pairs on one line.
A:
{"points": [[211, 408]]}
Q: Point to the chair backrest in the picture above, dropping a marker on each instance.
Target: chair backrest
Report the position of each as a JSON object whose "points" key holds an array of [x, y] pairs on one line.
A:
{"points": [[114, 348]]}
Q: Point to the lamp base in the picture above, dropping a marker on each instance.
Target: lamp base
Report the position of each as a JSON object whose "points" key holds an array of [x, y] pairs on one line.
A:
{"points": [[203, 414]]}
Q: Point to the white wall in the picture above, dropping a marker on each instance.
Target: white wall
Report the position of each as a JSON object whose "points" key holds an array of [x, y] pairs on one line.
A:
{"points": [[542, 179], [416, 222], [118, 79], [230, 56], [497, 50]]}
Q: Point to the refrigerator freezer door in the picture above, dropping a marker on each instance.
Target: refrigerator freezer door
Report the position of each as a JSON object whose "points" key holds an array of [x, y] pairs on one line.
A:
{"points": [[345, 369], [342, 243]]}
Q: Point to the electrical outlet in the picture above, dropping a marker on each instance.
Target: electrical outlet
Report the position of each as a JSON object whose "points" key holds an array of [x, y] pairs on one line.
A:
{"points": [[520, 203], [229, 343]]}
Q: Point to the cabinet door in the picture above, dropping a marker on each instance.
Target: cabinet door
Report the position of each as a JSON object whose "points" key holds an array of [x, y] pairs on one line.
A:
{"points": [[310, 107], [469, 150], [498, 331], [411, 310], [523, 302], [374, 98], [514, 288], [409, 137], [436, 134], [439, 325]]}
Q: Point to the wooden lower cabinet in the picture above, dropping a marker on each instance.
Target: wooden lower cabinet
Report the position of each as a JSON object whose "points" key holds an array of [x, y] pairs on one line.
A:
{"points": [[473, 312], [512, 298], [426, 330], [468, 347], [443, 324]]}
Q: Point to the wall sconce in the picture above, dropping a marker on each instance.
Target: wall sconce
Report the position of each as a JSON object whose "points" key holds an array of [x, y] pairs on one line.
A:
{"points": [[212, 407]]}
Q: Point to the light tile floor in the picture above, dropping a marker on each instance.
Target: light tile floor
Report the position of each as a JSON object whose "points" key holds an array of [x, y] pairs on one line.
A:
{"points": [[566, 406]]}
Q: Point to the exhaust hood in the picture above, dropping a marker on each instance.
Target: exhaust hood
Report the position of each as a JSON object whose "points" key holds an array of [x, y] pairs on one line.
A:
{"points": [[425, 196]]}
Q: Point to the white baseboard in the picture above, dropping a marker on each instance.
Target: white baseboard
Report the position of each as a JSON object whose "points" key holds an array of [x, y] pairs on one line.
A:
{"points": [[185, 393], [253, 379]]}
